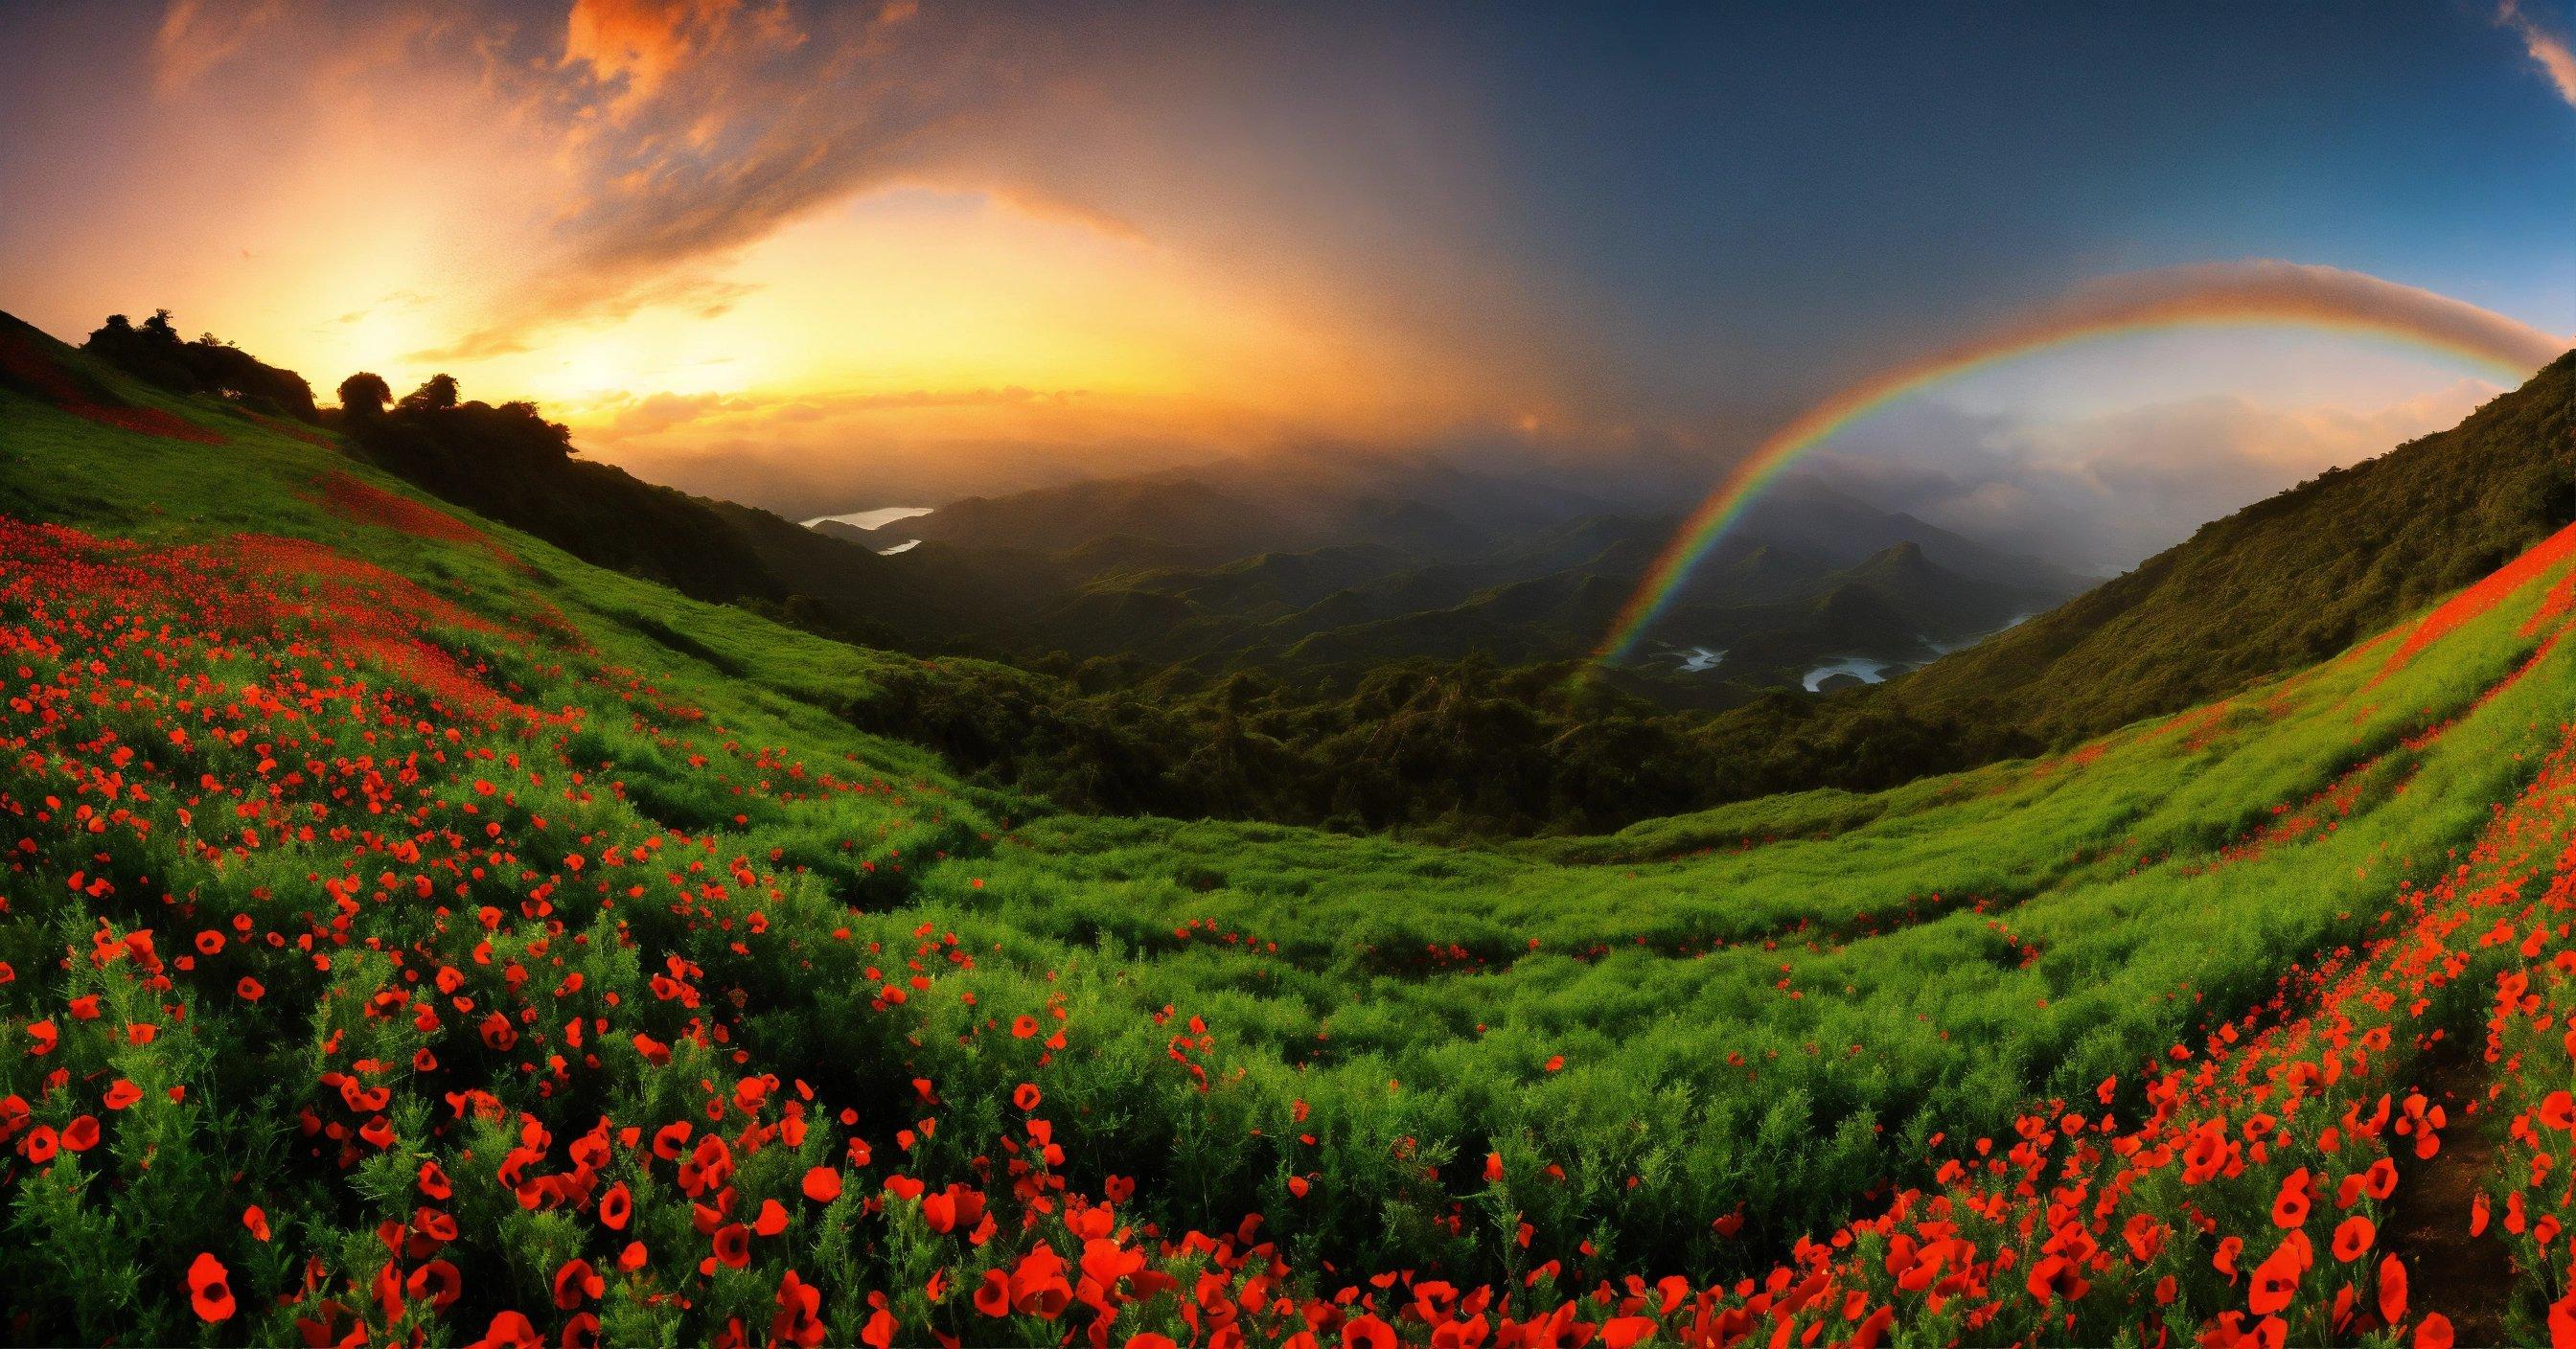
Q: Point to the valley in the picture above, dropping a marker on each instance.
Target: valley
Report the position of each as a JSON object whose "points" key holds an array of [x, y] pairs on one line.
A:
{"points": [[538, 943], [1143, 675]]}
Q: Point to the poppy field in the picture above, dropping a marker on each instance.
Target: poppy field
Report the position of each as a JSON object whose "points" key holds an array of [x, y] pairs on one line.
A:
{"points": [[412, 934]]}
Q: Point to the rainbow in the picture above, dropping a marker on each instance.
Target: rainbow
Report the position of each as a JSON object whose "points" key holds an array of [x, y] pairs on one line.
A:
{"points": [[2247, 294]]}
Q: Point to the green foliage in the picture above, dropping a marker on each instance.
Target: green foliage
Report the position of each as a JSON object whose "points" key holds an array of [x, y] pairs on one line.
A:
{"points": [[1765, 1009]]}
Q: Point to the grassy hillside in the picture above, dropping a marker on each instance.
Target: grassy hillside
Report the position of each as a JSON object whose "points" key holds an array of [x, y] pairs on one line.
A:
{"points": [[546, 954], [2290, 580]]}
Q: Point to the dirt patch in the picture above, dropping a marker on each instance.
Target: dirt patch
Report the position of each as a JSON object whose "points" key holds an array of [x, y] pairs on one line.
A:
{"points": [[2466, 1278]]}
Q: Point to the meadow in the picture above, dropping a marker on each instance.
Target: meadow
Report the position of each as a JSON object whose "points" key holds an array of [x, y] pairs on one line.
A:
{"points": [[412, 931]]}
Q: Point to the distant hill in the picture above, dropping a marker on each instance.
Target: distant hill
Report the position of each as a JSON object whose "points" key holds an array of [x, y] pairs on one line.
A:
{"points": [[1777, 608], [1196, 519], [1337, 563]]}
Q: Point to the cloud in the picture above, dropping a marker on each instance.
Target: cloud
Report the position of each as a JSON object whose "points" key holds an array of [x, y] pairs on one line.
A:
{"points": [[662, 411], [638, 44], [196, 36], [546, 302], [2101, 493], [2547, 50], [688, 129], [633, 418]]}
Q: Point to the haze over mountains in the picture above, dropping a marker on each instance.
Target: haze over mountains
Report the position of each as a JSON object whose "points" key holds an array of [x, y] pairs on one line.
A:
{"points": [[1379, 563]]}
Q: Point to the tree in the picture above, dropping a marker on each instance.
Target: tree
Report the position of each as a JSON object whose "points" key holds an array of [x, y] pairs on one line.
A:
{"points": [[365, 395], [438, 395]]}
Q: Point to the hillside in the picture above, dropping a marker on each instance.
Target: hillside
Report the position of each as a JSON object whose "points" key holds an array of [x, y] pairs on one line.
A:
{"points": [[2289, 580], [412, 926], [509, 463]]}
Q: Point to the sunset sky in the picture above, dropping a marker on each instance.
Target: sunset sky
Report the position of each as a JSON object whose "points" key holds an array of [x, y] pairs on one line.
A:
{"points": [[831, 256]]}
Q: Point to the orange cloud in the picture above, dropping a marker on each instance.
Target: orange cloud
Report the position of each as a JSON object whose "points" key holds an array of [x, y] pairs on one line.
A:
{"points": [[656, 413], [2547, 49], [195, 37], [644, 42]]}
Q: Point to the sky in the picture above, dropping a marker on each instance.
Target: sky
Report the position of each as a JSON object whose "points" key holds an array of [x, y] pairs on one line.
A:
{"points": [[828, 256]]}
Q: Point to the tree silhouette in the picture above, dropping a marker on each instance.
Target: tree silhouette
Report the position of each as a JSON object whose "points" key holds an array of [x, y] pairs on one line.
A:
{"points": [[154, 353], [437, 395], [365, 395]]}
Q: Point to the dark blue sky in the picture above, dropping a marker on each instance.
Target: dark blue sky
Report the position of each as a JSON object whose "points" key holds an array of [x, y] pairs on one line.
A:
{"points": [[1773, 189]]}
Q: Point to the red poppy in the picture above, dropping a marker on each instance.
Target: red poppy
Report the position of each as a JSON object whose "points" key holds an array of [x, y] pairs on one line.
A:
{"points": [[2274, 1282], [1025, 1096], [799, 1308], [436, 1281], [772, 1219], [2433, 1332], [509, 1330], [81, 1134], [994, 1298], [210, 1288], [2290, 1207], [1025, 1027], [577, 1283], [2392, 1291], [822, 1185], [1367, 1332], [615, 1207], [2353, 1238], [1619, 1332], [122, 1093], [256, 1219], [733, 1245]]}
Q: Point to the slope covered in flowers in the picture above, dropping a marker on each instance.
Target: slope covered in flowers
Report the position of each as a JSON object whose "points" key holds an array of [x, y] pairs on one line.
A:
{"points": [[410, 932]]}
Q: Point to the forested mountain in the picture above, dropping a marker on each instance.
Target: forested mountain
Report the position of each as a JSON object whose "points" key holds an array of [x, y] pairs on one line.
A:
{"points": [[2288, 580]]}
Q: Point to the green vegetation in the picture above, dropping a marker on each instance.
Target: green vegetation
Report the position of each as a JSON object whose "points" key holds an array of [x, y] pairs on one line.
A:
{"points": [[1766, 1010]]}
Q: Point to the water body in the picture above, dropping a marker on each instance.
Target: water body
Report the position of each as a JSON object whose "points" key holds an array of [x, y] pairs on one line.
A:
{"points": [[1870, 671], [1700, 658], [1863, 668], [873, 519], [904, 546]]}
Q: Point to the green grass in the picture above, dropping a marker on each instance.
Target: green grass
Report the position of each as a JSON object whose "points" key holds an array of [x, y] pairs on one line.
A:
{"points": [[1768, 1007]]}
